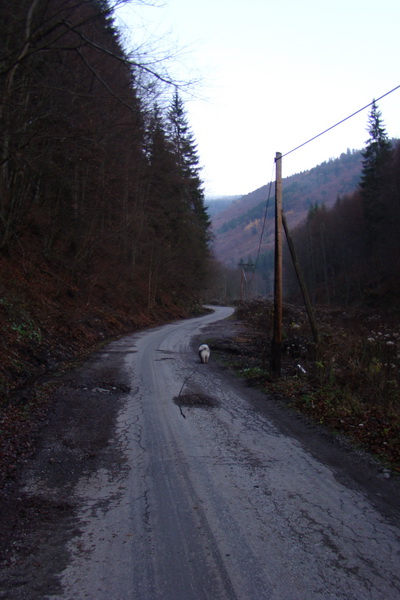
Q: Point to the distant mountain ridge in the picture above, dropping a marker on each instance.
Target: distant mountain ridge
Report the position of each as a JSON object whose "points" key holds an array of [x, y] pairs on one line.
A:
{"points": [[237, 229], [216, 204]]}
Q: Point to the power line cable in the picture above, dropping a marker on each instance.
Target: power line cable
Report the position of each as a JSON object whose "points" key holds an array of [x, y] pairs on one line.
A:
{"points": [[263, 226], [340, 122]]}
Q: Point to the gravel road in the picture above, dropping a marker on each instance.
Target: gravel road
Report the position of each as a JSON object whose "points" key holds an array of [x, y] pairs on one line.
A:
{"points": [[161, 478]]}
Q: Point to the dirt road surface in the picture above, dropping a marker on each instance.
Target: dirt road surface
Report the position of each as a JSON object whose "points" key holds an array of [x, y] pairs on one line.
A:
{"points": [[160, 478]]}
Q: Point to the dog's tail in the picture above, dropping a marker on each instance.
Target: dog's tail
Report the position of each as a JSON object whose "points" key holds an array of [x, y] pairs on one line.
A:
{"points": [[204, 353]]}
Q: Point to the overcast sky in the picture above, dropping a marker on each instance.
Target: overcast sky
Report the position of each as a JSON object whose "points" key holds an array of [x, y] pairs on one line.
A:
{"points": [[273, 74]]}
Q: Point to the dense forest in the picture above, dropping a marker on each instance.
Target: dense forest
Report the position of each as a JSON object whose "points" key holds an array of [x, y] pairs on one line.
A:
{"points": [[99, 183], [103, 227], [350, 253]]}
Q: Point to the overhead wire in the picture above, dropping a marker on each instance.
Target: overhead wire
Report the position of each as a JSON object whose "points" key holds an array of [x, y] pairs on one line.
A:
{"points": [[263, 226], [340, 122]]}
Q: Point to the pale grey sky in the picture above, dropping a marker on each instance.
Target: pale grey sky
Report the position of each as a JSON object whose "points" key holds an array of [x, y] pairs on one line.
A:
{"points": [[274, 74]]}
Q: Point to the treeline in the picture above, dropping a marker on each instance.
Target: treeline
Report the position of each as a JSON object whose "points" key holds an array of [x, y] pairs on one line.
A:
{"points": [[350, 253], [96, 180]]}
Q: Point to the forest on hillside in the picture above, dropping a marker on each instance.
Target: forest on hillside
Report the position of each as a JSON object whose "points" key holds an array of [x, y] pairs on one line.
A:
{"points": [[238, 229], [350, 252], [320, 185], [244, 231], [100, 188], [344, 215]]}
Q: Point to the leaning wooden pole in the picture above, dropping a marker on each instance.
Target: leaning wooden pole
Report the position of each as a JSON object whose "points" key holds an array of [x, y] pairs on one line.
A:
{"points": [[276, 350], [302, 284]]}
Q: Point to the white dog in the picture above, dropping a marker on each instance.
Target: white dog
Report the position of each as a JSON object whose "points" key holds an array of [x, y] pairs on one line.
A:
{"points": [[204, 353]]}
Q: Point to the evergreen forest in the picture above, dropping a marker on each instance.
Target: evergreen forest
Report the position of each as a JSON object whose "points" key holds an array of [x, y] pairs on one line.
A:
{"points": [[100, 187]]}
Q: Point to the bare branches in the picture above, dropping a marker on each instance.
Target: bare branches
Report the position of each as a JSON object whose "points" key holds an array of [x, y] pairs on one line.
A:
{"points": [[136, 64], [103, 82]]}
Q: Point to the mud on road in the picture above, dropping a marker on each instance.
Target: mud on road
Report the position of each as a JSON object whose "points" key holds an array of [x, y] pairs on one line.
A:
{"points": [[38, 513]]}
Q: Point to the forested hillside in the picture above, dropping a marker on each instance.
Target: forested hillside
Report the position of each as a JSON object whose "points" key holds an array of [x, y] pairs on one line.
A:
{"points": [[344, 216], [244, 232], [237, 229], [102, 216]]}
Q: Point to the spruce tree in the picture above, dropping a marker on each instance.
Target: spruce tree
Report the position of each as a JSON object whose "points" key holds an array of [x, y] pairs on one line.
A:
{"points": [[375, 160], [187, 158], [196, 232]]}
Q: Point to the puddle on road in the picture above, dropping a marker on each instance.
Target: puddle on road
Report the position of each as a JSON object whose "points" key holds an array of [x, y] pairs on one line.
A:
{"points": [[196, 400]]}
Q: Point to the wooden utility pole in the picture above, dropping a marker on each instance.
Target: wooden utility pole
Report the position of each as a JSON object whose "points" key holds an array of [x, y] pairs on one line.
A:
{"points": [[276, 349]]}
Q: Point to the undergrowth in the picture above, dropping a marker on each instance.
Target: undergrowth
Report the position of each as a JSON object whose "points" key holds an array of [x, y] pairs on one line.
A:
{"points": [[349, 382]]}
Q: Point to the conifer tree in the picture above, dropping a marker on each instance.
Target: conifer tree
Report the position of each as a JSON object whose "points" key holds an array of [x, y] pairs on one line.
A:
{"points": [[375, 159], [196, 222], [187, 158], [162, 214]]}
